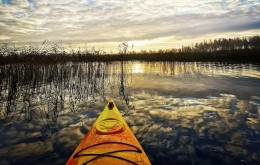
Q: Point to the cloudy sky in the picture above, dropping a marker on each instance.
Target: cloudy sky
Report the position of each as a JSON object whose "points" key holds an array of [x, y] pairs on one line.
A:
{"points": [[148, 24]]}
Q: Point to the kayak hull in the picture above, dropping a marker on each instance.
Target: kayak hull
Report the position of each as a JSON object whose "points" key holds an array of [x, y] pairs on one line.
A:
{"points": [[109, 141]]}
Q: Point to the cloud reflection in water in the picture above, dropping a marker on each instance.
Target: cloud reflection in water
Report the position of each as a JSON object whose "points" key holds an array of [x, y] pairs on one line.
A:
{"points": [[180, 112], [198, 130]]}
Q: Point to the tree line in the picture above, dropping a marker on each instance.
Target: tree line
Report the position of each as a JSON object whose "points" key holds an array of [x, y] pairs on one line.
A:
{"points": [[221, 44], [224, 44], [222, 49]]}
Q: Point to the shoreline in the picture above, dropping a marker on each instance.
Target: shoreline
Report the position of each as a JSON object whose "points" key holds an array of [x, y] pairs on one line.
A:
{"points": [[240, 56]]}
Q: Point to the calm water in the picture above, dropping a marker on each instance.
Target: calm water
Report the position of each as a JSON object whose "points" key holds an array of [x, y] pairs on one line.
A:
{"points": [[183, 113]]}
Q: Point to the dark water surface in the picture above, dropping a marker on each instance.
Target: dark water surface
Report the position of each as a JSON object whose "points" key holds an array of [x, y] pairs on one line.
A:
{"points": [[182, 113]]}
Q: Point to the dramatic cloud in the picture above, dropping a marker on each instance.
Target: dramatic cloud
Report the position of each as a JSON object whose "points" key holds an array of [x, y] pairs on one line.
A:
{"points": [[107, 23]]}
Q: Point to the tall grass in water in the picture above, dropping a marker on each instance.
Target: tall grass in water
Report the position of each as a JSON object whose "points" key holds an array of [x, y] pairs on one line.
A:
{"points": [[38, 94]]}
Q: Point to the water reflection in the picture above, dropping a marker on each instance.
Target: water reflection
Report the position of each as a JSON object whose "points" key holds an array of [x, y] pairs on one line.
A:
{"points": [[197, 69], [184, 113], [213, 130]]}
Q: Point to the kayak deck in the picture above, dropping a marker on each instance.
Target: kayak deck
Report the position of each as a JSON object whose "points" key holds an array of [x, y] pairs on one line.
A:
{"points": [[109, 141]]}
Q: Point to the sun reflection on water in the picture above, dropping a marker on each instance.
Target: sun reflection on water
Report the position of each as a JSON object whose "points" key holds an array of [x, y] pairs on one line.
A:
{"points": [[193, 69], [137, 68]]}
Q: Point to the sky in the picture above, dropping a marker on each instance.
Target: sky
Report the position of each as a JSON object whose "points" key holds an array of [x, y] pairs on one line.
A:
{"points": [[146, 24]]}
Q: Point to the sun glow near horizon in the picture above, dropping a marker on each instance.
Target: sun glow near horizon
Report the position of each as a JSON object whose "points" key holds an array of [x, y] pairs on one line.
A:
{"points": [[172, 42]]}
